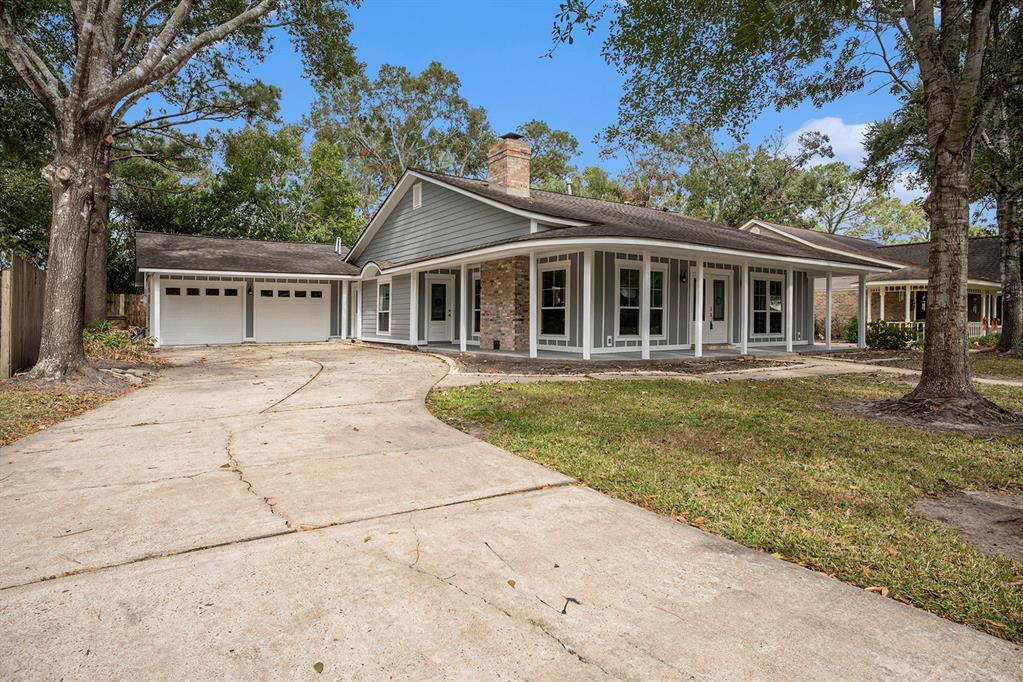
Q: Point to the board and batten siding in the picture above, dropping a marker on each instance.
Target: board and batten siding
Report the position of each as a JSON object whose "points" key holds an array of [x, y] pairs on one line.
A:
{"points": [[446, 221], [605, 306], [400, 298]]}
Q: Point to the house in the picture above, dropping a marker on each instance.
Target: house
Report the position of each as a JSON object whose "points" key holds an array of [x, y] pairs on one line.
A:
{"points": [[900, 296], [494, 264]]}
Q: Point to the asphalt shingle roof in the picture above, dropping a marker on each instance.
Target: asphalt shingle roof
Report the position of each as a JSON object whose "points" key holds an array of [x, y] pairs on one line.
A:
{"points": [[984, 254]]}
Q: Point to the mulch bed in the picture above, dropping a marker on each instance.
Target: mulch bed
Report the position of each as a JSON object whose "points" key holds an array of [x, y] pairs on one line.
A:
{"points": [[475, 363]]}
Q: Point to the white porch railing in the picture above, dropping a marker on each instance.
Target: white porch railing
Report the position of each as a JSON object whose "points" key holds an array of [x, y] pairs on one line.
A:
{"points": [[974, 330]]}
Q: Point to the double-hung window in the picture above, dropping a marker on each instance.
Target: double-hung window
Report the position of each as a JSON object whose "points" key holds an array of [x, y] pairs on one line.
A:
{"points": [[476, 301], [768, 314], [554, 301], [630, 279], [384, 308]]}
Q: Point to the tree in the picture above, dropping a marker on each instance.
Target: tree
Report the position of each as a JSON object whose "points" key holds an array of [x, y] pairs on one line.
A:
{"points": [[720, 64], [398, 121], [553, 151], [839, 197], [88, 63], [891, 221]]}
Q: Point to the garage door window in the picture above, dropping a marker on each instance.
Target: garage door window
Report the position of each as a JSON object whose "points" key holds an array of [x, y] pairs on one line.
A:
{"points": [[173, 291], [230, 292], [283, 293], [193, 291], [266, 293], [384, 308], [299, 294], [213, 292], [316, 294]]}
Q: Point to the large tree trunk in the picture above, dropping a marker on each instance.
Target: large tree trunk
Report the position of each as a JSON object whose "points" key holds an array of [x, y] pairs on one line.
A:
{"points": [[99, 223], [70, 177], [1012, 289]]}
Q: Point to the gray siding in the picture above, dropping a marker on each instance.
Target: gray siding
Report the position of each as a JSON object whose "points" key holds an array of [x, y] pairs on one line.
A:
{"points": [[446, 221], [400, 289], [605, 301]]}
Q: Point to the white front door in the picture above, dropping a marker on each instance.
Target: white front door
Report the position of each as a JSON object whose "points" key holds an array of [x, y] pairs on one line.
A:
{"points": [[715, 309], [440, 314]]}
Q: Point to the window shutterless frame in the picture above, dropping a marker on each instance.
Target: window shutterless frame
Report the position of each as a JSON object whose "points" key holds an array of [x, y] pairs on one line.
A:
{"points": [[628, 298], [555, 282], [384, 307], [766, 289]]}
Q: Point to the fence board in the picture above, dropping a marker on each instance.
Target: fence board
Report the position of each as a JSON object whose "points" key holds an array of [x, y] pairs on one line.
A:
{"points": [[21, 315]]}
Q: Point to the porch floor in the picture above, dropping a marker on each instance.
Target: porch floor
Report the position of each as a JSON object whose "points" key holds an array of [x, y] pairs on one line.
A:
{"points": [[719, 352]]}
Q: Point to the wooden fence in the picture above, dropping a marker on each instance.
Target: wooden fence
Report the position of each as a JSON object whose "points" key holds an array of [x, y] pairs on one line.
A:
{"points": [[129, 309], [21, 315]]}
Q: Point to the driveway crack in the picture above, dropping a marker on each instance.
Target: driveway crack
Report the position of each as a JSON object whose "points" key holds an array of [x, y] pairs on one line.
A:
{"points": [[313, 378], [233, 466]]}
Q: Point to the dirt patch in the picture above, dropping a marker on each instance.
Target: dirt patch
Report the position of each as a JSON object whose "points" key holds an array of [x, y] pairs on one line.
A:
{"points": [[976, 416], [990, 521], [475, 363]]}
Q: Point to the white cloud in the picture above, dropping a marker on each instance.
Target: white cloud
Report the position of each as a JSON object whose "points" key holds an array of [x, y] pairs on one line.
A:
{"points": [[846, 138]]}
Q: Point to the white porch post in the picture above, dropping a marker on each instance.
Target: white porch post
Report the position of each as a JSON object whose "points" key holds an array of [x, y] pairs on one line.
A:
{"points": [[413, 308], [827, 313], [983, 307], [462, 303], [644, 308], [869, 306], [789, 317], [532, 304], [587, 303], [155, 331], [698, 322], [861, 335], [358, 311], [881, 316], [744, 310], [343, 322], [908, 309]]}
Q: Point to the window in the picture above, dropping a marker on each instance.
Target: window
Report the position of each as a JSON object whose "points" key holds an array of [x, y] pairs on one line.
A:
{"points": [[316, 294], [477, 299], [283, 293], [213, 292], [767, 306], [554, 302], [384, 308], [172, 291], [417, 195], [629, 302], [192, 291], [230, 292], [299, 294], [266, 293]]}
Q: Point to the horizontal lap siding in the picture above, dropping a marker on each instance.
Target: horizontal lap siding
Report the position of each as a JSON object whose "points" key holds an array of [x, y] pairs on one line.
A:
{"points": [[400, 298], [446, 221]]}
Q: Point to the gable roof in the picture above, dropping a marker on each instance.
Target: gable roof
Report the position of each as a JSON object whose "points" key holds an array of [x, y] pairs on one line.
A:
{"points": [[167, 251], [575, 216], [984, 255]]}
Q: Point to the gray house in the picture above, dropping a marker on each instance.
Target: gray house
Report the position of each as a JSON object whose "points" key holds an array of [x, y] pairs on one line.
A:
{"points": [[494, 264]]}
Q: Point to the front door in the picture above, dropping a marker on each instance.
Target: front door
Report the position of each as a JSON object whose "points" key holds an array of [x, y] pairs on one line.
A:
{"points": [[440, 313], [715, 309]]}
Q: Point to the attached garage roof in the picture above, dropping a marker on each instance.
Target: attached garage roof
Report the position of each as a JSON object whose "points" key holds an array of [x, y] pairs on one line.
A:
{"points": [[165, 251]]}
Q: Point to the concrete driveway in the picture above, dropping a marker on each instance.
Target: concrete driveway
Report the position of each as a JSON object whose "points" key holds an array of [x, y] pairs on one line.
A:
{"points": [[259, 510]]}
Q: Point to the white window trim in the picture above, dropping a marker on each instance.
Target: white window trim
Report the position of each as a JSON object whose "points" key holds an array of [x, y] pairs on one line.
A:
{"points": [[541, 268], [390, 301], [417, 195], [475, 333], [621, 263], [768, 277]]}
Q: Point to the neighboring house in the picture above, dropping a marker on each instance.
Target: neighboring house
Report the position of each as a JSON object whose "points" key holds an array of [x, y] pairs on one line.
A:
{"points": [[901, 295], [496, 265]]}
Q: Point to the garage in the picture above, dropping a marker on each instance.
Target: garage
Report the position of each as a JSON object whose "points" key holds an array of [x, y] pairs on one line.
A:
{"points": [[202, 311], [291, 311]]}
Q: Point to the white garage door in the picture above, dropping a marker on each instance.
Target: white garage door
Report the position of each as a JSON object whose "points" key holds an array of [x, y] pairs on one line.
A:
{"points": [[286, 311], [200, 312]]}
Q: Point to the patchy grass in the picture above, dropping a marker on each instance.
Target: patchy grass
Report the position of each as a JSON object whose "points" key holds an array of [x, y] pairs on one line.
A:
{"points": [[104, 343], [986, 364], [770, 465], [23, 412]]}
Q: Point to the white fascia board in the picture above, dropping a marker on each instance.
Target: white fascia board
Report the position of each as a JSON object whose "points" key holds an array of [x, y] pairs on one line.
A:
{"points": [[841, 252], [232, 273], [522, 247], [409, 178], [923, 283]]}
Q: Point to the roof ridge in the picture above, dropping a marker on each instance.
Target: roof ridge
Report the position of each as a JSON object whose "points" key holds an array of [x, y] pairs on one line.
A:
{"points": [[235, 239]]}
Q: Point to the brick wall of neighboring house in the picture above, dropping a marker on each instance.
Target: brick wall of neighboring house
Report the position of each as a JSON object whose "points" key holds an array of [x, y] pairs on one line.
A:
{"points": [[845, 306], [504, 304]]}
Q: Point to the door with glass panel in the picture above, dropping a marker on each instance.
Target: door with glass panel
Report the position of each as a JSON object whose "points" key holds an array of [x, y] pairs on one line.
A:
{"points": [[439, 310], [715, 309]]}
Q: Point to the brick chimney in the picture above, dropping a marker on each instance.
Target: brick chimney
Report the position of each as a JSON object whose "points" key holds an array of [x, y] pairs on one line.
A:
{"points": [[508, 165]]}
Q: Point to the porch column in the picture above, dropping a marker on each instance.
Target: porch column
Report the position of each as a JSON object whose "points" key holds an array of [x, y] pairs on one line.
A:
{"points": [[881, 317], [413, 309], [155, 331], [869, 306], [698, 321], [983, 308], [644, 309], [744, 310], [789, 317], [861, 335], [587, 303], [532, 304], [908, 309], [827, 313], [462, 317], [343, 322], [358, 311]]}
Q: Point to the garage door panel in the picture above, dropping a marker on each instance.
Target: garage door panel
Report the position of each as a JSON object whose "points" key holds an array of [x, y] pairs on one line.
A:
{"points": [[195, 312], [287, 312]]}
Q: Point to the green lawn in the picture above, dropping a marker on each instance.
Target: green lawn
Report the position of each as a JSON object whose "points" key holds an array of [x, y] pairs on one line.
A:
{"points": [[768, 464], [25, 412], [987, 363]]}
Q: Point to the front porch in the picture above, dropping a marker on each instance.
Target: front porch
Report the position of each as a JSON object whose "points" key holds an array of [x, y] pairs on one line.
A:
{"points": [[767, 352]]}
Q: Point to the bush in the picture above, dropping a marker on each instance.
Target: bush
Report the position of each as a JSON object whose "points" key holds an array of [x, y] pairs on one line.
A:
{"points": [[988, 340], [851, 333], [103, 342], [884, 336]]}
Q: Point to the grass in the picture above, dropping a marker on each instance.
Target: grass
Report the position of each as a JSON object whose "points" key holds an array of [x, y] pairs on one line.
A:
{"points": [[118, 345], [25, 412], [769, 465], [986, 364]]}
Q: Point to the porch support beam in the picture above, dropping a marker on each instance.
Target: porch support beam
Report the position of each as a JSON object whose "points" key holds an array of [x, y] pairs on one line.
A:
{"points": [[744, 310], [869, 306], [462, 303], [644, 308], [413, 308], [587, 303], [155, 331], [789, 312], [861, 332], [343, 326], [908, 309], [881, 314], [532, 304], [827, 312], [698, 321]]}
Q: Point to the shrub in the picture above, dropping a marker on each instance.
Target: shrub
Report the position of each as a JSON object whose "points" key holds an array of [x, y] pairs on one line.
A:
{"points": [[851, 333], [884, 336], [988, 340], [103, 342]]}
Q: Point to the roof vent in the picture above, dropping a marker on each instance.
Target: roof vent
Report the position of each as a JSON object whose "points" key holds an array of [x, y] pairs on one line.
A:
{"points": [[338, 246]]}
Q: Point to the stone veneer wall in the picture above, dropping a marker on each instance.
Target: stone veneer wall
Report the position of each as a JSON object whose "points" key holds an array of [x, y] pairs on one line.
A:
{"points": [[504, 304]]}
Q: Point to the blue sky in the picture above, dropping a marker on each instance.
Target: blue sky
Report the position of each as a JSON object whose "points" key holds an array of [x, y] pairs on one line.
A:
{"points": [[497, 48]]}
